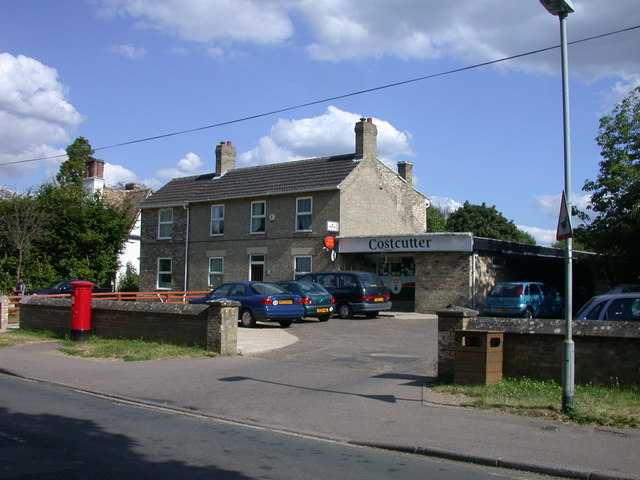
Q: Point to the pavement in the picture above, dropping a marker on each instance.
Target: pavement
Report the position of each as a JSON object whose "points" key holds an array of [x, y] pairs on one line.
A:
{"points": [[376, 396]]}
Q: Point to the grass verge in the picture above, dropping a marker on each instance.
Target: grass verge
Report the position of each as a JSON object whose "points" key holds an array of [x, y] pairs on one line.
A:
{"points": [[99, 348], [612, 406]]}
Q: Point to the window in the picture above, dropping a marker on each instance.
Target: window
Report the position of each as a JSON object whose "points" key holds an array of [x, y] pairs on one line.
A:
{"points": [[217, 219], [216, 270], [165, 223], [258, 216], [164, 273], [301, 265], [256, 268], [304, 214]]}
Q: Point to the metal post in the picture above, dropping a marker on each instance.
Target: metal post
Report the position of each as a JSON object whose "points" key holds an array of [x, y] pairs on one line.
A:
{"points": [[568, 345]]}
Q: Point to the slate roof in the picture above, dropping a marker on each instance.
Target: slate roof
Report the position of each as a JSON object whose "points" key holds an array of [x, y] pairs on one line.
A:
{"points": [[299, 176]]}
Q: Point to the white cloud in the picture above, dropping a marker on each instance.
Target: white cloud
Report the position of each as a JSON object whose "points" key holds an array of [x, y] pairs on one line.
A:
{"points": [[549, 205], [191, 164], [129, 51], [447, 205], [114, 174], [33, 113], [543, 237], [328, 134]]}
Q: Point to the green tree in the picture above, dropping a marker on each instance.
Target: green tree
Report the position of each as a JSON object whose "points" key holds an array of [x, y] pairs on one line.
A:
{"points": [[615, 199], [130, 280], [72, 170], [487, 222], [436, 219]]}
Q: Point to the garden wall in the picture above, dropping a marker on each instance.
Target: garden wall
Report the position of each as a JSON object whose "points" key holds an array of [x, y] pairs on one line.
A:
{"points": [[605, 352]]}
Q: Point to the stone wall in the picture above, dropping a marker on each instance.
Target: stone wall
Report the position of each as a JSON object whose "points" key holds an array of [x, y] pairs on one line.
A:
{"points": [[212, 326], [442, 278], [605, 352]]}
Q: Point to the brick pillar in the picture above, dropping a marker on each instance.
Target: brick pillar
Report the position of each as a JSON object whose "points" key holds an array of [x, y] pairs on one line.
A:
{"points": [[450, 320], [222, 327], [4, 312]]}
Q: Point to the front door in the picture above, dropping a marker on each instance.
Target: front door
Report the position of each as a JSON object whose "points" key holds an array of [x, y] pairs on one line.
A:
{"points": [[256, 268]]}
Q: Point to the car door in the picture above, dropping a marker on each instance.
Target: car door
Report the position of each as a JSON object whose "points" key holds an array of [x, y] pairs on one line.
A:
{"points": [[535, 299]]}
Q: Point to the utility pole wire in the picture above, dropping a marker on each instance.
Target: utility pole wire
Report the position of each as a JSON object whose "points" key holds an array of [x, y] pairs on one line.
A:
{"points": [[337, 97]]}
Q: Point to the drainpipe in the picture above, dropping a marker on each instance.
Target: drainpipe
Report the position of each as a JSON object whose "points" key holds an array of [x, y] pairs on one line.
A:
{"points": [[185, 205]]}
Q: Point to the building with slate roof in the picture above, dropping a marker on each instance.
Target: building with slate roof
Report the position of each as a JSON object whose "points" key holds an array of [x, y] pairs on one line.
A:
{"points": [[269, 222]]}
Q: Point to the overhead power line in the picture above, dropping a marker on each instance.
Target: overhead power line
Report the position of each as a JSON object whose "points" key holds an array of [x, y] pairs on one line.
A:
{"points": [[337, 97]]}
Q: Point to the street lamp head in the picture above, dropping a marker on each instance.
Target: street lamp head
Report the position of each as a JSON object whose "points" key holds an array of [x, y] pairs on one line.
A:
{"points": [[558, 7]]}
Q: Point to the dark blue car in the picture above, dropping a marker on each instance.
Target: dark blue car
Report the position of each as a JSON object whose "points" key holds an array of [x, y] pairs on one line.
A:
{"points": [[259, 301]]}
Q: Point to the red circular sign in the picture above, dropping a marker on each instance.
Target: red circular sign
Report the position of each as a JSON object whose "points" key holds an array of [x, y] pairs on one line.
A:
{"points": [[330, 242]]}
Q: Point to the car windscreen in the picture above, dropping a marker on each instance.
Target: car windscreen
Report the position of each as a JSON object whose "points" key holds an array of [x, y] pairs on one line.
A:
{"points": [[505, 290], [267, 289]]}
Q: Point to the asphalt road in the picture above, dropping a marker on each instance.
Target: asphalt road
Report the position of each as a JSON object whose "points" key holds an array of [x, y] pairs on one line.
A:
{"points": [[48, 432], [370, 346]]}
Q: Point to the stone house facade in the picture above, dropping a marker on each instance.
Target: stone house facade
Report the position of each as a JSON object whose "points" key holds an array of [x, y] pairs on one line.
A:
{"points": [[269, 222]]}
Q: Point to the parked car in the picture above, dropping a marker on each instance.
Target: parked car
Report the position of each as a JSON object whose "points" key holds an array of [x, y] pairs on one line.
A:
{"points": [[523, 299], [625, 288], [317, 301], [259, 301], [355, 292], [63, 286], [623, 307]]}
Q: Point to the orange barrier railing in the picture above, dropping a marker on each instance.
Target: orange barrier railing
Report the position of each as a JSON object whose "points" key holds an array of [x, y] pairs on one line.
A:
{"points": [[161, 296]]}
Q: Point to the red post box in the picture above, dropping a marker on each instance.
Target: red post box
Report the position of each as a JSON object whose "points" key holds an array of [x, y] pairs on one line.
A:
{"points": [[81, 310]]}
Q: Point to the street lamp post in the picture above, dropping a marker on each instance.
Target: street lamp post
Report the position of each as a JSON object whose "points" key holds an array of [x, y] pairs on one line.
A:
{"points": [[561, 8]]}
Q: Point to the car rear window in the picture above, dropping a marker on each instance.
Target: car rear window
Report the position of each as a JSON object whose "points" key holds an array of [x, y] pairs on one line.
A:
{"points": [[309, 287], [509, 290], [267, 289]]}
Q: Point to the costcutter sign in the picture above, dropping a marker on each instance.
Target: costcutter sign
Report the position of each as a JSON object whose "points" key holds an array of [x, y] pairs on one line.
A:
{"points": [[413, 243]]}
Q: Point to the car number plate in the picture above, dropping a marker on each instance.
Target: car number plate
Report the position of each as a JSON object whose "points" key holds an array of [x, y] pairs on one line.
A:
{"points": [[378, 299], [322, 310], [286, 302]]}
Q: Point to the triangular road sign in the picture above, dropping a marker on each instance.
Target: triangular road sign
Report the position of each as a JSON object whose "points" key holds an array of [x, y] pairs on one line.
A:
{"points": [[564, 230]]}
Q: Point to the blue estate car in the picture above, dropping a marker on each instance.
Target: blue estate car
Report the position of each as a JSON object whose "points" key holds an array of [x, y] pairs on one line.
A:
{"points": [[523, 299], [259, 301], [317, 301]]}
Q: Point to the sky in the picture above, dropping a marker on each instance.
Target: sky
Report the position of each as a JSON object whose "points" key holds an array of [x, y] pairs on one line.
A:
{"points": [[155, 85]]}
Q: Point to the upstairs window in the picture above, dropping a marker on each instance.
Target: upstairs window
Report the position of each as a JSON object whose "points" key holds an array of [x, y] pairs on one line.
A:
{"points": [[258, 217], [165, 223], [304, 214], [217, 220]]}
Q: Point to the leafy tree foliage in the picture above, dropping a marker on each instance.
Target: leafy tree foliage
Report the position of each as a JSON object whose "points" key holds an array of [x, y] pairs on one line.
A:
{"points": [[487, 222], [72, 170], [615, 228], [436, 219], [130, 280]]}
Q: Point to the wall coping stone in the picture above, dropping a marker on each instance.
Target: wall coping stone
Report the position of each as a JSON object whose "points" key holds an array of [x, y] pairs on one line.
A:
{"points": [[584, 328]]}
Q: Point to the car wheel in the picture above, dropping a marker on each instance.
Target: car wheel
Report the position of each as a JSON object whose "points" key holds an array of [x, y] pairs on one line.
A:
{"points": [[371, 314], [324, 318], [345, 311], [527, 313], [285, 323], [247, 319]]}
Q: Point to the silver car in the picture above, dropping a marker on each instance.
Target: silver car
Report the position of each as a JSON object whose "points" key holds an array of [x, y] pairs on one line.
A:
{"points": [[621, 307]]}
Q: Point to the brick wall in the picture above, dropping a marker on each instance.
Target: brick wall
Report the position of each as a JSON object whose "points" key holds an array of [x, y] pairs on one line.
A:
{"points": [[442, 279], [211, 326], [605, 352]]}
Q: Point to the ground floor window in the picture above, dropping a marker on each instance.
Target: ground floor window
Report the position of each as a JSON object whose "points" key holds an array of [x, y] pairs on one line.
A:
{"points": [[301, 265], [164, 274], [216, 271], [256, 268]]}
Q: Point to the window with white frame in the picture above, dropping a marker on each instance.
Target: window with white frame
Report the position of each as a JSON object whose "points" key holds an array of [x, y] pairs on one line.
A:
{"points": [[216, 271], [258, 216], [301, 265], [165, 223], [217, 219], [164, 273], [304, 214]]}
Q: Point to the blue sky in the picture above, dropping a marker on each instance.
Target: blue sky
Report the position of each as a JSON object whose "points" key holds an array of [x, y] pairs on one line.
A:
{"points": [[116, 71]]}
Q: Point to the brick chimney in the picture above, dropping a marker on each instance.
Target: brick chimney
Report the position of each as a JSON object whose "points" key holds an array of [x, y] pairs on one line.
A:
{"points": [[405, 170], [93, 180], [366, 138], [225, 157]]}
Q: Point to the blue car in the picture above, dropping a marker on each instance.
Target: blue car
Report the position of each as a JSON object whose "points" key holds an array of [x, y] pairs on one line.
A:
{"points": [[259, 301], [523, 299]]}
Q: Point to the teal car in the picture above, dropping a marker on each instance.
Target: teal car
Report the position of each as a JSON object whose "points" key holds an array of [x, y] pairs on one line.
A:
{"points": [[317, 301], [523, 299]]}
